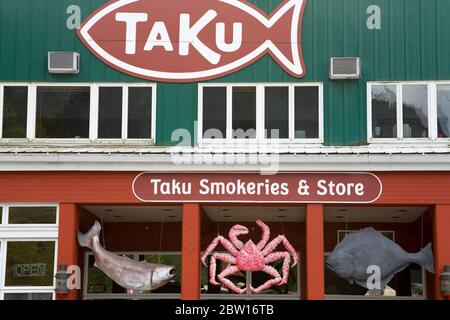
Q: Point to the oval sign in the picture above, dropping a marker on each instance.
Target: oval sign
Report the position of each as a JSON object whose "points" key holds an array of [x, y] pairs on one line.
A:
{"points": [[187, 41], [296, 187]]}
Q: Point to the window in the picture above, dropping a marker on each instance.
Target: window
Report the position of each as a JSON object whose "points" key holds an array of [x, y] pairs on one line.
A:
{"points": [[276, 112], [443, 110], [15, 102], [110, 112], [28, 236], [384, 111], [31, 215], [306, 113], [244, 112], [97, 285], [409, 111], [77, 111], [214, 112], [62, 112], [139, 112]]}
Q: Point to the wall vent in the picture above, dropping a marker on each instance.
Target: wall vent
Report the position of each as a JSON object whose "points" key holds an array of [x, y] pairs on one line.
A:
{"points": [[63, 62], [345, 68]]}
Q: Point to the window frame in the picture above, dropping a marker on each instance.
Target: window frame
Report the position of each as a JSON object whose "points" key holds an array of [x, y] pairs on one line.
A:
{"points": [[432, 113], [260, 114], [93, 112], [26, 233]]}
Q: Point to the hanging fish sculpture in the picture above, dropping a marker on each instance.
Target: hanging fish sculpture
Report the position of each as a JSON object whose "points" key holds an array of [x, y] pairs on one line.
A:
{"points": [[124, 271], [352, 257]]}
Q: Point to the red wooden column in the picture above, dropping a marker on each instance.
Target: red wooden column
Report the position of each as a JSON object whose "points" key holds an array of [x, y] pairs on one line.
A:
{"points": [[190, 258], [315, 274], [441, 239], [67, 241]]}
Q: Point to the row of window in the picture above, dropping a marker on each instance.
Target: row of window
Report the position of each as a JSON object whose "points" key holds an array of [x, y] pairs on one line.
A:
{"points": [[276, 111], [28, 244], [408, 111], [281, 112], [77, 112]]}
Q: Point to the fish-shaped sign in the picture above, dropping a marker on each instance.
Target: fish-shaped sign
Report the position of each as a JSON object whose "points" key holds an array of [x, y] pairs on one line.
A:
{"points": [[352, 257], [124, 271], [192, 40]]}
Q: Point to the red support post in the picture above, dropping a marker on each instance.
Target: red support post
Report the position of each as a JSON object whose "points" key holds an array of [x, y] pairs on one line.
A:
{"points": [[190, 258], [315, 272], [441, 239], [67, 241]]}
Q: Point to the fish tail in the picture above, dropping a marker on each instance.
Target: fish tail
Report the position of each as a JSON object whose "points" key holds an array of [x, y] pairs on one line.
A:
{"points": [[425, 258], [285, 22], [85, 239]]}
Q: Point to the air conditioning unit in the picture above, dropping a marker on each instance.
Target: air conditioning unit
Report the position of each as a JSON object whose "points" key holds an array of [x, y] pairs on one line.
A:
{"points": [[63, 62], [345, 68]]}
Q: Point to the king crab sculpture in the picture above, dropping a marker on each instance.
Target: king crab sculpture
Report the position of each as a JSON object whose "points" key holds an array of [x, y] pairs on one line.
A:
{"points": [[250, 257]]}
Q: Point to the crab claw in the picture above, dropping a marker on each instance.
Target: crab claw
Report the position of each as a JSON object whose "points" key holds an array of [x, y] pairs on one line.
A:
{"points": [[239, 229]]}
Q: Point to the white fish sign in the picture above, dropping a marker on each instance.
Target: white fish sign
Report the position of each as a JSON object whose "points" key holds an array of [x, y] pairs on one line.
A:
{"points": [[124, 271]]}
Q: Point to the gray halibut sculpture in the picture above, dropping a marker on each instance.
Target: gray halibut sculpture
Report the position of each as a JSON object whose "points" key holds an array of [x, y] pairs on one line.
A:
{"points": [[351, 258], [124, 271]]}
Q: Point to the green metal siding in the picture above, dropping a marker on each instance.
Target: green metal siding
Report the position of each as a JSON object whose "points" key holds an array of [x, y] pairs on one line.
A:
{"points": [[413, 44]]}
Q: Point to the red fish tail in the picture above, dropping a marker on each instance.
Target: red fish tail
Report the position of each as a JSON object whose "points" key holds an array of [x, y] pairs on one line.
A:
{"points": [[284, 39]]}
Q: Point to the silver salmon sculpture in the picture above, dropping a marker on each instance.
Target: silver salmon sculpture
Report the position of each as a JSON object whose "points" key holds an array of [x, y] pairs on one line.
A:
{"points": [[351, 258], [124, 271]]}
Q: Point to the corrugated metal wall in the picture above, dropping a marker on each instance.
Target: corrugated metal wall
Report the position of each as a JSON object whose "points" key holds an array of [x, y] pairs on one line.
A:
{"points": [[413, 44]]}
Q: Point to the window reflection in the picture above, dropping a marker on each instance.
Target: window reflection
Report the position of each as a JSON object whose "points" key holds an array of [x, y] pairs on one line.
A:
{"points": [[277, 112], [139, 112], [32, 215], [306, 112], [244, 112], [15, 101], [110, 112], [415, 111], [443, 110], [62, 112], [384, 111], [214, 112]]}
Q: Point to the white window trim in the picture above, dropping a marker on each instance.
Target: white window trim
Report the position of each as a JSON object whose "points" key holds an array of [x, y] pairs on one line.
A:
{"points": [[93, 113], [26, 233], [432, 113], [260, 113]]}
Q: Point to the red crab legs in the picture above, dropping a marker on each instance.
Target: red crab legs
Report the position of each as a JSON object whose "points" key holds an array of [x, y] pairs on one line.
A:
{"points": [[250, 257]]}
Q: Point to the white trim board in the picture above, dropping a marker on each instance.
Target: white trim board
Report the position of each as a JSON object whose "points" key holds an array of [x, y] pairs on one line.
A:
{"points": [[282, 162]]}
